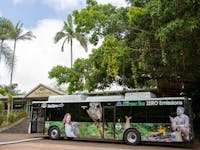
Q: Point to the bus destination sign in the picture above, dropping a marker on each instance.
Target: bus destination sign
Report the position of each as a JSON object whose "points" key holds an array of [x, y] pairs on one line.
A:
{"points": [[153, 103]]}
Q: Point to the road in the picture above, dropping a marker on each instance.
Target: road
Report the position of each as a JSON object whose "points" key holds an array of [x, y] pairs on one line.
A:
{"points": [[46, 144]]}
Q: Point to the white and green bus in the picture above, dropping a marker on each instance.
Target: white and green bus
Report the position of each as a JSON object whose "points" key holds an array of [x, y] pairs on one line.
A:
{"points": [[130, 117]]}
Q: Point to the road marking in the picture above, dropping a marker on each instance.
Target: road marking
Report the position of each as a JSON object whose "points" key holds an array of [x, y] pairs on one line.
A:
{"points": [[19, 141]]}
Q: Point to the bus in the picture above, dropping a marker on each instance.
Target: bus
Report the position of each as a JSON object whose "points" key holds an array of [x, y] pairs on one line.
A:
{"points": [[131, 117]]}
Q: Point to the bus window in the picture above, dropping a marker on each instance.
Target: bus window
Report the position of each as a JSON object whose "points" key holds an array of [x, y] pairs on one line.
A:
{"points": [[73, 109], [122, 112], [139, 114], [84, 116], [159, 114], [54, 114]]}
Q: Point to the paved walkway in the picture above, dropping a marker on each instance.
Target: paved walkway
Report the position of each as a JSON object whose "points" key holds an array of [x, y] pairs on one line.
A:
{"points": [[7, 137]]}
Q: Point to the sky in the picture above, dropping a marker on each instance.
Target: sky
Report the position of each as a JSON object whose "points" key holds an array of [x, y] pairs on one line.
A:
{"points": [[35, 58]]}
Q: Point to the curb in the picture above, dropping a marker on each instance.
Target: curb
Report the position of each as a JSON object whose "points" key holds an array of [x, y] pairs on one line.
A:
{"points": [[20, 141]]}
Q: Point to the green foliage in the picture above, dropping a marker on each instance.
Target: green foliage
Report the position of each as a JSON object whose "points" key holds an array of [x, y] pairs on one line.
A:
{"points": [[68, 33], [2, 118], [12, 89], [1, 107], [146, 41], [10, 98], [60, 73], [98, 21], [2, 91], [135, 13], [6, 28], [12, 118], [16, 35], [20, 115], [138, 3]]}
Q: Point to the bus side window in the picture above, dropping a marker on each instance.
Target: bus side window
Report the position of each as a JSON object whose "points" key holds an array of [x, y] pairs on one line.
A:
{"points": [[122, 112], [159, 114], [54, 114], [84, 117], [139, 114]]}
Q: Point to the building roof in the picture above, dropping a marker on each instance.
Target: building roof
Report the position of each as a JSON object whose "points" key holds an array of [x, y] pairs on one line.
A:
{"points": [[42, 91]]}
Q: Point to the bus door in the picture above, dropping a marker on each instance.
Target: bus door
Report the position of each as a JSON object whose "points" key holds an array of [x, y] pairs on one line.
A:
{"points": [[37, 120], [109, 122]]}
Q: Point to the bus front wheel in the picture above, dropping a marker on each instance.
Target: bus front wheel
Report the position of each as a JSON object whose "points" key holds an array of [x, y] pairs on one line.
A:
{"points": [[54, 133], [132, 137]]}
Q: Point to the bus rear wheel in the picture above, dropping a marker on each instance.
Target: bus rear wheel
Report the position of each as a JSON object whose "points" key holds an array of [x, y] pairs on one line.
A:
{"points": [[132, 137], [54, 133]]}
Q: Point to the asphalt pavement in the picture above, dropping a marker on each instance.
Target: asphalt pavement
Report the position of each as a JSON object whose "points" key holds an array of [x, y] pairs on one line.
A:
{"points": [[9, 138]]}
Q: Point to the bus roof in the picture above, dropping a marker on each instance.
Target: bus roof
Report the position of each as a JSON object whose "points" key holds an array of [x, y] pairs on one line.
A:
{"points": [[67, 98], [105, 98], [138, 96]]}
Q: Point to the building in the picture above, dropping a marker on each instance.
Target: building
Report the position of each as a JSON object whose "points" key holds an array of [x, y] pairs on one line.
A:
{"points": [[22, 102]]}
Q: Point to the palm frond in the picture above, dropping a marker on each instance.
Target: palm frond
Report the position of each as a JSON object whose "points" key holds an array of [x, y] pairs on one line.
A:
{"points": [[67, 28], [6, 28], [82, 41], [69, 21], [62, 48], [26, 36], [69, 33], [59, 36], [7, 55]]}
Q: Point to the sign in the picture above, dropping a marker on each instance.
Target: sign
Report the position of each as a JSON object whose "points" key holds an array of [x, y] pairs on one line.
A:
{"points": [[161, 103], [52, 105], [153, 103]]}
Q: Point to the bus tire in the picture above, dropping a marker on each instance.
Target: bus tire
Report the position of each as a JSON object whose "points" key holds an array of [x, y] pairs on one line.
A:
{"points": [[54, 133], [132, 137]]}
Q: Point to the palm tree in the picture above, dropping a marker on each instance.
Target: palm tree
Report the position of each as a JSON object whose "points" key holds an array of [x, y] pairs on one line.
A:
{"points": [[18, 35], [6, 27], [68, 33]]}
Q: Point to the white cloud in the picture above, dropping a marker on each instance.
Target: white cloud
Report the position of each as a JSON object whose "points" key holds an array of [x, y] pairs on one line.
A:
{"points": [[37, 57], [117, 3], [61, 5]]}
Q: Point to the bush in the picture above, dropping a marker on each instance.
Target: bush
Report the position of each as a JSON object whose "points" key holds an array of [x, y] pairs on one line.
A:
{"points": [[20, 115], [4, 124], [12, 118], [1, 107], [2, 118]]}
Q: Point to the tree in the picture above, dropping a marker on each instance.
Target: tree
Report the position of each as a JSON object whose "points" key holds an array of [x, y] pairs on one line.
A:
{"points": [[17, 34], [97, 21], [68, 33], [6, 28], [167, 39], [12, 89], [103, 68], [161, 41]]}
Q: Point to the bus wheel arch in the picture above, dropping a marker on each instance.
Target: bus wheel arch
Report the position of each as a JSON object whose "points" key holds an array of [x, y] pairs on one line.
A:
{"points": [[132, 136], [54, 132]]}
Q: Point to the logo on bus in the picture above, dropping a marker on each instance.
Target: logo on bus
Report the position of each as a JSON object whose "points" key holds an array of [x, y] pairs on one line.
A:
{"points": [[118, 126]]}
